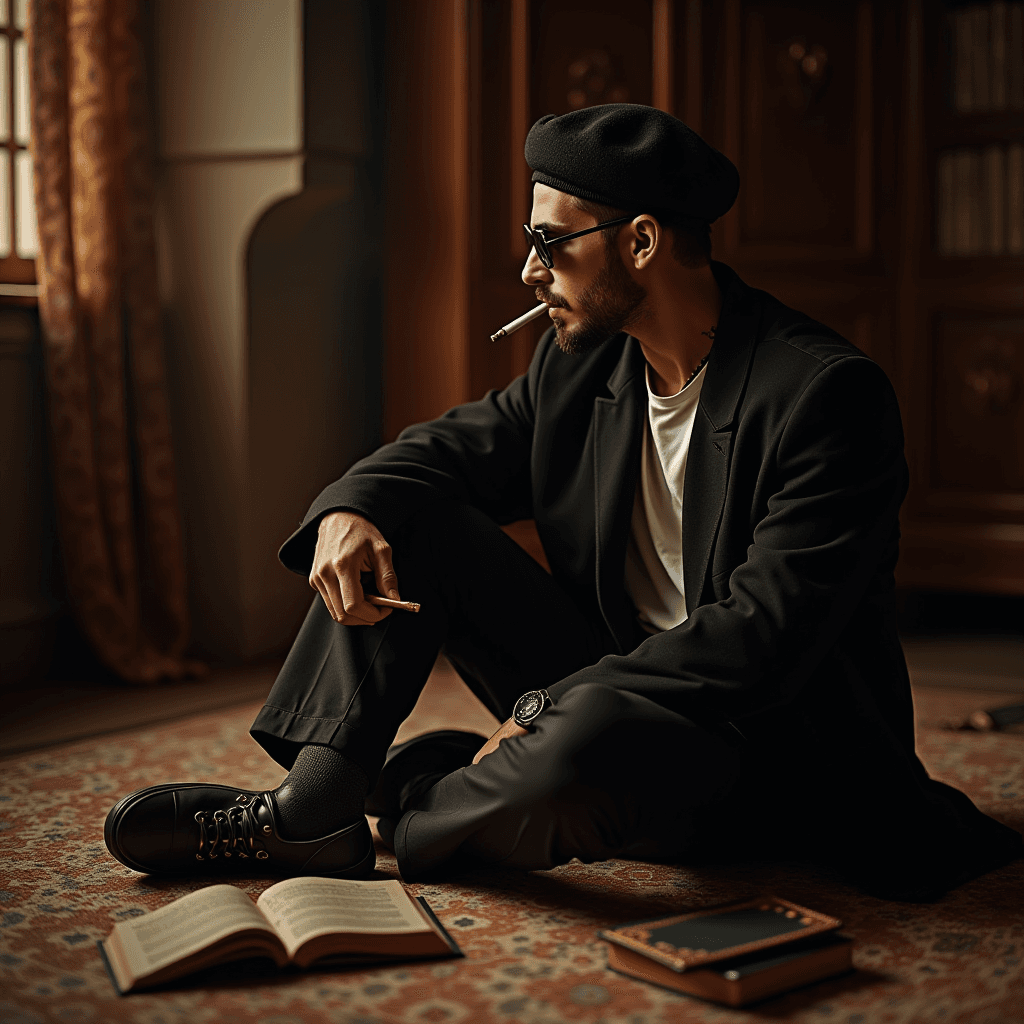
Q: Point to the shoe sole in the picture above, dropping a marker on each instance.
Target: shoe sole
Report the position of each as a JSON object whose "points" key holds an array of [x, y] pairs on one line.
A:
{"points": [[363, 869]]}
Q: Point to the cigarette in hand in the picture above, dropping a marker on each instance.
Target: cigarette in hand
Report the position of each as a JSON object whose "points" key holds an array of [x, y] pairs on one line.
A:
{"points": [[521, 321], [388, 602]]}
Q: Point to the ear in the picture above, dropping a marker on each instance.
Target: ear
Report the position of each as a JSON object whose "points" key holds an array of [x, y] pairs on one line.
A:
{"points": [[646, 237]]}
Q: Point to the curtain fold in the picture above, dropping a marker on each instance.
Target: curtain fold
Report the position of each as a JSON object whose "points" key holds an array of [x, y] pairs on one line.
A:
{"points": [[112, 456]]}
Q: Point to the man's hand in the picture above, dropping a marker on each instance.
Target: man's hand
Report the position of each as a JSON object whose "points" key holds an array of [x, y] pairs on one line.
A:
{"points": [[506, 730], [347, 545]]}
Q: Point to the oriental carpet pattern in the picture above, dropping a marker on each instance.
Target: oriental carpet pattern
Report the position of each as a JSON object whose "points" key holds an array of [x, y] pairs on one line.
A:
{"points": [[532, 954]]}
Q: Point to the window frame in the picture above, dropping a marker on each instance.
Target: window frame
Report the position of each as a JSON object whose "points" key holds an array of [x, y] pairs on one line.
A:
{"points": [[14, 269]]}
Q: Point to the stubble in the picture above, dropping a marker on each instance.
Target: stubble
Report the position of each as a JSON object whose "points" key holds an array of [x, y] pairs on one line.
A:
{"points": [[609, 304]]}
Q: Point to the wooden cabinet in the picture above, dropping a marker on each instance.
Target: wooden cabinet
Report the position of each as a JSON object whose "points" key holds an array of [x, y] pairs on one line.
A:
{"points": [[838, 115]]}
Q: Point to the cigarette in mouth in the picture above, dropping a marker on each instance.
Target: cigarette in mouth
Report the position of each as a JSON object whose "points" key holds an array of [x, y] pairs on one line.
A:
{"points": [[521, 321]]}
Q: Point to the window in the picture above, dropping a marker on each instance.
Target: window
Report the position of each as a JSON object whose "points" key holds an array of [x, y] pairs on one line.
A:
{"points": [[19, 239]]}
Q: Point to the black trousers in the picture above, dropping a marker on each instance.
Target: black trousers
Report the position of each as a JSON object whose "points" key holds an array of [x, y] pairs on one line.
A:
{"points": [[604, 773]]}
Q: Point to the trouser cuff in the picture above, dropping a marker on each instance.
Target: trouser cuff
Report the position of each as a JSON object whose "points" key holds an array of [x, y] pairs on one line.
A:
{"points": [[282, 734]]}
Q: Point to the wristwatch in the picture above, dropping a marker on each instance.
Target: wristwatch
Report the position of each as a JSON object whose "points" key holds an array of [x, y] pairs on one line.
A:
{"points": [[529, 706]]}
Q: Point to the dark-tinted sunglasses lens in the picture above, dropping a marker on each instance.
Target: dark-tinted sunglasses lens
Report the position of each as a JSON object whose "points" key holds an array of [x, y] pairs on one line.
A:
{"points": [[536, 241]]}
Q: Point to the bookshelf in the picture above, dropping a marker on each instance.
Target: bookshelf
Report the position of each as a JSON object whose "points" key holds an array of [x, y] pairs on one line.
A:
{"points": [[962, 343], [978, 134]]}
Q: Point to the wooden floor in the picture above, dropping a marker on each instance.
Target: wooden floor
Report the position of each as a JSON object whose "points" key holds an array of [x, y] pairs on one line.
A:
{"points": [[951, 679]]}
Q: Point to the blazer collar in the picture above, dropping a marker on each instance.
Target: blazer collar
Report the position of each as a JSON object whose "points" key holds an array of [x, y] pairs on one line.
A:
{"points": [[619, 422], [726, 375], [735, 339], [629, 369]]}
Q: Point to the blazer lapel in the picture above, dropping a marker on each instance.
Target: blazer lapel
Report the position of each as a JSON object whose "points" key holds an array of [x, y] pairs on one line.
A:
{"points": [[618, 421], [710, 452]]}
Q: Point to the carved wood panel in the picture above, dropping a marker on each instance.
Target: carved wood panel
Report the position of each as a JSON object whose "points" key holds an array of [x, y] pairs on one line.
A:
{"points": [[799, 152], [792, 98], [977, 410], [582, 55]]}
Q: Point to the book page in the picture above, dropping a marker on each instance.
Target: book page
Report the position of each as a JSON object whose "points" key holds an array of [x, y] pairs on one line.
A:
{"points": [[301, 908], [186, 926]]}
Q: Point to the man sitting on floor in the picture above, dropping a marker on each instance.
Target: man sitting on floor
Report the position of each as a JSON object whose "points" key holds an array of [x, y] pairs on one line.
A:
{"points": [[712, 665]]}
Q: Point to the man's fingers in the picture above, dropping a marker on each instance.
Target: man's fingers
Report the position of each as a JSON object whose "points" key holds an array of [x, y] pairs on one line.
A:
{"points": [[384, 572], [350, 589], [348, 544], [356, 610], [318, 585]]}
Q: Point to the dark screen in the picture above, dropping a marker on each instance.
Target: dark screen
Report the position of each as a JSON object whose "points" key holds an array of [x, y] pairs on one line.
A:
{"points": [[731, 928]]}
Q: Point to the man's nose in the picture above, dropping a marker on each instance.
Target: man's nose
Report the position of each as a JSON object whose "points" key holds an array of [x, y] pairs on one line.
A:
{"points": [[534, 272]]}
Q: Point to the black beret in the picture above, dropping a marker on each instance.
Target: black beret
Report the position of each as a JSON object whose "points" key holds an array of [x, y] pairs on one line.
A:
{"points": [[633, 157]]}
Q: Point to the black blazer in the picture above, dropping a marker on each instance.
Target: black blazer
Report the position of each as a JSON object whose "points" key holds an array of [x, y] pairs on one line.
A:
{"points": [[794, 480]]}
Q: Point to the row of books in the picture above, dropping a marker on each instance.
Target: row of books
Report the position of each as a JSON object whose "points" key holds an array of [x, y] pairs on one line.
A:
{"points": [[980, 201], [988, 57]]}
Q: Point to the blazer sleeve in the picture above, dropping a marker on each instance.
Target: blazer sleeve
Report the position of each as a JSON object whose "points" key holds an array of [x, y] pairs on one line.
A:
{"points": [[831, 523], [478, 453]]}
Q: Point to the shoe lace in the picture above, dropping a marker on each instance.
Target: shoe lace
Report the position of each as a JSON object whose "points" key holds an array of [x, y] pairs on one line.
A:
{"points": [[231, 831]]}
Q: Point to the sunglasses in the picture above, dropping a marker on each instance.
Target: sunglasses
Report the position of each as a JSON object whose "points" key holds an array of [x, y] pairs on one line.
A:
{"points": [[536, 238]]}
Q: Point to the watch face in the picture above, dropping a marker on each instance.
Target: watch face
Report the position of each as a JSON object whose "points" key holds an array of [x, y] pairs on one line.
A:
{"points": [[529, 706]]}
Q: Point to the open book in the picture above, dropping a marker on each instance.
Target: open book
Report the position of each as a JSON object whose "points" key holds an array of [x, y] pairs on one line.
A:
{"points": [[302, 921]]}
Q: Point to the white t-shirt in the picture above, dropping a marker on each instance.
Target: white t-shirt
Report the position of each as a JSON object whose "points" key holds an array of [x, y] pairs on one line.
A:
{"points": [[654, 555]]}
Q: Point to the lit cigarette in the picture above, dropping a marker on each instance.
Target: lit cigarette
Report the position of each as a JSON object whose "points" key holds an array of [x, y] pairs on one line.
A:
{"points": [[520, 322], [387, 602]]}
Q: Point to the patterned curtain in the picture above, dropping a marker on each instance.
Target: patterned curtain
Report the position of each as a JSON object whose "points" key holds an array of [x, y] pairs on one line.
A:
{"points": [[113, 461]]}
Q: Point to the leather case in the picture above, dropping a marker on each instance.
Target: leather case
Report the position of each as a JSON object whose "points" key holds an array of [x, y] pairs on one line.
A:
{"points": [[710, 934]]}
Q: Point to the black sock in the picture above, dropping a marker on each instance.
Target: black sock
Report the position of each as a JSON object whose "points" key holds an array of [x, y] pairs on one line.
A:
{"points": [[323, 793]]}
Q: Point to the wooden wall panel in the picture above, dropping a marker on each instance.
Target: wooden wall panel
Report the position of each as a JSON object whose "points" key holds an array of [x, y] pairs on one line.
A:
{"points": [[791, 93], [977, 414], [581, 56], [798, 159], [429, 199]]}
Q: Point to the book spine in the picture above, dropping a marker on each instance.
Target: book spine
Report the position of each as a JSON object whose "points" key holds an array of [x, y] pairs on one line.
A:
{"points": [[101, 946], [994, 178], [1015, 57], [975, 222], [962, 76], [1015, 199], [944, 230], [453, 945], [997, 43], [979, 57], [961, 203]]}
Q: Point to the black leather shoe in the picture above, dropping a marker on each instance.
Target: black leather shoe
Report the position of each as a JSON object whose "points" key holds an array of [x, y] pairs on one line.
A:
{"points": [[200, 829], [413, 767]]}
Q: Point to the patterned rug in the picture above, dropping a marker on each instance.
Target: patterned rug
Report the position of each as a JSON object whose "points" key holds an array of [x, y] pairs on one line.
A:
{"points": [[530, 944]]}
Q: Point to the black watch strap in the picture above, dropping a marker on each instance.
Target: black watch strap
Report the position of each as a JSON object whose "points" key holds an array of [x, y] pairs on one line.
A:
{"points": [[529, 706]]}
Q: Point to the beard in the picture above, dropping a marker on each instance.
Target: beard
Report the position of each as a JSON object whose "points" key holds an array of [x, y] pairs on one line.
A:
{"points": [[606, 306]]}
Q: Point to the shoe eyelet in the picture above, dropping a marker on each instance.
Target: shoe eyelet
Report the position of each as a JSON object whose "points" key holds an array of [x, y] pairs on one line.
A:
{"points": [[211, 856], [262, 855], [199, 856], [227, 853], [242, 799], [267, 828], [200, 815]]}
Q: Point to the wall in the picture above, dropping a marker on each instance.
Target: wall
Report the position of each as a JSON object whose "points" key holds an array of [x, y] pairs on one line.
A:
{"points": [[30, 586], [270, 296]]}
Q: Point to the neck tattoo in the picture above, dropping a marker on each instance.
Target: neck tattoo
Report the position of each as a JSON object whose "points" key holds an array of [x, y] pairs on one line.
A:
{"points": [[709, 333]]}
